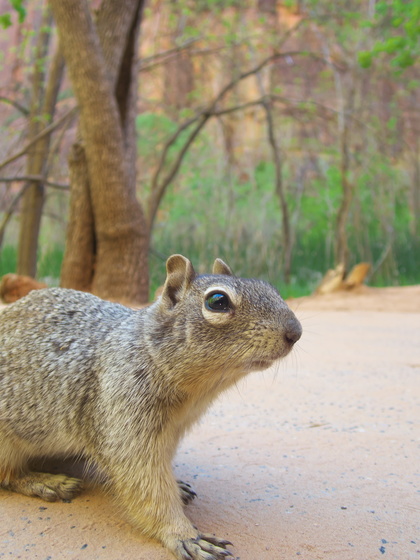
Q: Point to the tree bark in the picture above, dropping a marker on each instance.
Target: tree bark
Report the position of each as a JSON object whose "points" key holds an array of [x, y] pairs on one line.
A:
{"points": [[42, 107], [114, 255], [287, 234], [79, 261], [415, 224], [341, 246]]}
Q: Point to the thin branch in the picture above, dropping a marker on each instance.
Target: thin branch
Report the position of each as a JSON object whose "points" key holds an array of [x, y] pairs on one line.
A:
{"points": [[168, 145], [54, 150], [36, 178], [55, 77], [256, 69], [158, 190], [15, 104], [360, 122], [279, 185], [9, 212], [150, 62], [235, 108], [47, 130], [383, 256], [295, 101]]}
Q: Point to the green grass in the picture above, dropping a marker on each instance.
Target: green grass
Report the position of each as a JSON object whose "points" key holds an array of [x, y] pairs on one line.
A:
{"points": [[49, 263], [8, 259]]}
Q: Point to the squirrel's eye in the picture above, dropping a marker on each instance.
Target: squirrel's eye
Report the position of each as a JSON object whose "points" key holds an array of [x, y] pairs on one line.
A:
{"points": [[218, 302]]}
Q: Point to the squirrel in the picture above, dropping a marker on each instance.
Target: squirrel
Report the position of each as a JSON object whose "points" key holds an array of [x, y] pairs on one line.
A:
{"points": [[80, 376]]}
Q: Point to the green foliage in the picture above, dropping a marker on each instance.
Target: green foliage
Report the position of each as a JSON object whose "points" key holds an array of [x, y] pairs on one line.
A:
{"points": [[18, 6], [365, 59], [6, 19], [398, 22], [393, 29]]}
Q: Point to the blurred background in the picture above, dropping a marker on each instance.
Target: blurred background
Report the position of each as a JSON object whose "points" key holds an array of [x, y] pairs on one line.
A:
{"points": [[285, 136]]}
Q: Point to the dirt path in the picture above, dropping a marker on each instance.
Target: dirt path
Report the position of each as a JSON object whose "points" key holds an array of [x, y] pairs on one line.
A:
{"points": [[316, 460]]}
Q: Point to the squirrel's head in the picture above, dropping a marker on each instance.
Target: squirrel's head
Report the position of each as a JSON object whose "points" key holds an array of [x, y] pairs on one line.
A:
{"points": [[237, 323]]}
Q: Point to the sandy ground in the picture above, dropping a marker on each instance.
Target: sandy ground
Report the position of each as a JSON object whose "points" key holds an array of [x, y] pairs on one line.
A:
{"points": [[318, 459]]}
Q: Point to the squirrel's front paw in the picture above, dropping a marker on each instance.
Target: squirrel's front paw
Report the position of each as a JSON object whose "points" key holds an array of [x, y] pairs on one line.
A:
{"points": [[204, 547]]}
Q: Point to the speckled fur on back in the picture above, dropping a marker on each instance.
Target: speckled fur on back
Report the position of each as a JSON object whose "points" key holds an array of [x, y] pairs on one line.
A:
{"points": [[81, 376]]}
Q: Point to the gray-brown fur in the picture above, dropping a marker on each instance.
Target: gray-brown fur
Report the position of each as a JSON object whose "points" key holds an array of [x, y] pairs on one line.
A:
{"points": [[81, 376]]}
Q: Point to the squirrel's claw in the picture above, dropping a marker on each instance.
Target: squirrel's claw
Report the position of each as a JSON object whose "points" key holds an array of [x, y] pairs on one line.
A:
{"points": [[205, 547], [223, 543], [187, 493]]}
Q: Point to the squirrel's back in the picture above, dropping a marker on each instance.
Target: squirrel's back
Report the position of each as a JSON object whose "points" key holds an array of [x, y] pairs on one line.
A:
{"points": [[50, 342], [55, 328]]}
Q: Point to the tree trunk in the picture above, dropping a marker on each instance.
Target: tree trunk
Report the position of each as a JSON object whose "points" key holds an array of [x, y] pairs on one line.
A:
{"points": [[41, 114], [415, 224], [341, 242], [341, 247], [105, 212], [79, 261], [286, 229]]}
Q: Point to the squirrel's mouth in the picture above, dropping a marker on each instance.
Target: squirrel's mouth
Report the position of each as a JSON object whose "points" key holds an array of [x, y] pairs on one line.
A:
{"points": [[258, 365]]}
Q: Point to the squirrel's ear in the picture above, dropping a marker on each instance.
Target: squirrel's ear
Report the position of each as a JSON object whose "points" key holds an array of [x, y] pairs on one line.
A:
{"points": [[220, 267], [179, 275]]}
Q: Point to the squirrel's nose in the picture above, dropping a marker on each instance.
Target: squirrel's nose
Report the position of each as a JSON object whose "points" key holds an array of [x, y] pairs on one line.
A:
{"points": [[293, 330]]}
